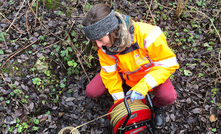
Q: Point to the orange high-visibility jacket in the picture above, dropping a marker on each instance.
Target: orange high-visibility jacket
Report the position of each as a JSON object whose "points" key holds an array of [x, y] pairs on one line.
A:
{"points": [[148, 63]]}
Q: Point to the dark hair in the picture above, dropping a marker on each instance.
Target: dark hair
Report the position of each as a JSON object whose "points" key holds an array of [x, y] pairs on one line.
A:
{"points": [[96, 13]]}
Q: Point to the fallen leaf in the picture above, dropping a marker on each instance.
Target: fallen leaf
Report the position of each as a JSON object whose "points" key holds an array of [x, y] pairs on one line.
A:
{"points": [[196, 110], [212, 118], [60, 114]]}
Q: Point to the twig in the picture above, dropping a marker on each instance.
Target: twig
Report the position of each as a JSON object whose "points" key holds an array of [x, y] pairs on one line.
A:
{"points": [[86, 45], [213, 17], [215, 71], [205, 99], [219, 58], [72, 45], [16, 16], [2, 120], [211, 82], [47, 47], [11, 23], [3, 78], [164, 6], [36, 17], [16, 54], [80, 54], [196, 94], [23, 105], [208, 18], [60, 61], [10, 58], [69, 30], [180, 7], [27, 14], [3, 57], [78, 16], [42, 23], [73, 22], [150, 11], [214, 28], [217, 123], [171, 9], [13, 52]]}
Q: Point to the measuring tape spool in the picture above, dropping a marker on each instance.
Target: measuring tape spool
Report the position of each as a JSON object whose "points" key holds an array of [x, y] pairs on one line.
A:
{"points": [[69, 130], [121, 111]]}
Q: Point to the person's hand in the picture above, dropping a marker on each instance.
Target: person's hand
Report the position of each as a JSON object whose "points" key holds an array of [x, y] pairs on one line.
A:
{"points": [[134, 95]]}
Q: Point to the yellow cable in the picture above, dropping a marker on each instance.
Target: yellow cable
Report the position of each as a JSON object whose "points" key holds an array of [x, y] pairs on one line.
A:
{"points": [[121, 111], [118, 112]]}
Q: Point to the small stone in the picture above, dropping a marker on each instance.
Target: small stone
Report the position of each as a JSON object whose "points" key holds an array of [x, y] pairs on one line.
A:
{"points": [[8, 79], [172, 116], [16, 83], [70, 103], [188, 100], [7, 92]]}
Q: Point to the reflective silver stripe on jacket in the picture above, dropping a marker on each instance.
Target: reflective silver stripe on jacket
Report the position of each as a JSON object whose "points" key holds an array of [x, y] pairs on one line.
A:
{"points": [[151, 81], [152, 36], [109, 69], [119, 95], [166, 63]]}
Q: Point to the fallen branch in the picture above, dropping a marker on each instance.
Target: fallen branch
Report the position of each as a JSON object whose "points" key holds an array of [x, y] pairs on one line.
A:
{"points": [[11, 23], [17, 53], [73, 22], [47, 47], [205, 98], [219, 58], [3, 78], [72, 45], [27, 14], [10, 58], [16, 16], [150, 11], [208, 18], [180, 7], [30, 6], [35, 16]]}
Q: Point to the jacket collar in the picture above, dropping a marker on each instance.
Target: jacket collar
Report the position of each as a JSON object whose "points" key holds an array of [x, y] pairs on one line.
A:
{"points": [[133, 47]]}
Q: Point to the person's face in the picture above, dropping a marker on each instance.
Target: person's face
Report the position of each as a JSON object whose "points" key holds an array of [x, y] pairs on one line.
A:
{"points": [[104, 41]]}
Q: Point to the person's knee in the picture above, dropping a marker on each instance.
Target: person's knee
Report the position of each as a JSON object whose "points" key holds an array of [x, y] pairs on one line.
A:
{"points": [[94, 91], [89, 92], [170, 98]]}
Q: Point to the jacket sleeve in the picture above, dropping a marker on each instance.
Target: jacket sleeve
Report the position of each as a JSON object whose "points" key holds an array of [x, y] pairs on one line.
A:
{"points": [[163, 59], [110, 76]]}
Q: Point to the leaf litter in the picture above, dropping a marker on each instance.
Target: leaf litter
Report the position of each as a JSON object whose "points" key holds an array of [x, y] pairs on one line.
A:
{"points": [[59, 100]]}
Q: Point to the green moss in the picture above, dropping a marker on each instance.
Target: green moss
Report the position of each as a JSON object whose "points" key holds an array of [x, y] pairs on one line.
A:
{"points": [[15, 69], [51, 4]]}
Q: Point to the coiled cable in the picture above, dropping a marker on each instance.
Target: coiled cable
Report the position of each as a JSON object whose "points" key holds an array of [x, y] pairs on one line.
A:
{"points": [[121, 111]]}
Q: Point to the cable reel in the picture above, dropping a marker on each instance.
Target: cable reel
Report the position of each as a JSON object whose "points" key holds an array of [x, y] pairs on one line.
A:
{"points": [[69, 130], [131, 118]]}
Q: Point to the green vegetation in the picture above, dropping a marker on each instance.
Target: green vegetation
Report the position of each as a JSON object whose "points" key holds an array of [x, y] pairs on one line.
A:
{"points": [[2, 36]]}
